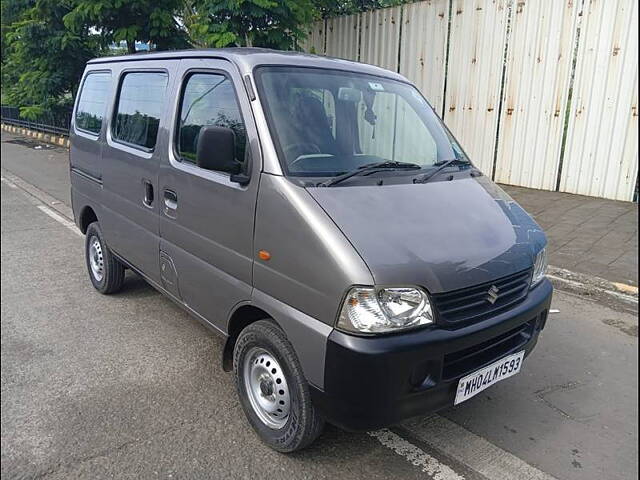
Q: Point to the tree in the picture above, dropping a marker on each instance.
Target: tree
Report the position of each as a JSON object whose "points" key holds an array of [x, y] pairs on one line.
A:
{"points": [[332, 8], [11, 11], [42, 60], [46, 43], [114, 21], [264, 23]]}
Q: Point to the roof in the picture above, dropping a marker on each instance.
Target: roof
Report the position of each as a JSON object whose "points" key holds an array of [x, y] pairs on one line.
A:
{"points": [[246, 59]]}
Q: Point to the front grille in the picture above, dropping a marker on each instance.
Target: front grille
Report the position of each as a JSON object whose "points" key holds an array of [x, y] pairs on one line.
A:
{"points": [[472, 304], [457, 364]]}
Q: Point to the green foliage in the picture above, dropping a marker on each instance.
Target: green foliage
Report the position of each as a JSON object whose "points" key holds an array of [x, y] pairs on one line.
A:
{"points": [[46, 43], [42, 60], [333, 8], [152, 21], [11, 10], [260, 23]]}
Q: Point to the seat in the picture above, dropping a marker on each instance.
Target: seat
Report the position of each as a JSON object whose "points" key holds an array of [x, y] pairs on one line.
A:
{"points": [[312, 124]]}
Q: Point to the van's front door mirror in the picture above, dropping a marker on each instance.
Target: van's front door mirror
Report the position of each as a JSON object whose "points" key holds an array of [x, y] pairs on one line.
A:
{"points": [[216, 150]]}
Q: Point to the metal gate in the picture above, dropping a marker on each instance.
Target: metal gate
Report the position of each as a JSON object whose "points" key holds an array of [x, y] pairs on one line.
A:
{"points": [[541, 93]]}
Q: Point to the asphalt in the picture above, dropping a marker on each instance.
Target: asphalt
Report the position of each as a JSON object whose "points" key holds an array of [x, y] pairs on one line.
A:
{"points": [[129, 386]]}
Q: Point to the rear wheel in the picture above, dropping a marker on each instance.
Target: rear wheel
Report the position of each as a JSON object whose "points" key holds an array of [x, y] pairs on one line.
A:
{"points": [[105, 271], [273, 391]]}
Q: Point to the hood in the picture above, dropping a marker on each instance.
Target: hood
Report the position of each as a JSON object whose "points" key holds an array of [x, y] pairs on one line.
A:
{"points": [[440, 235]]}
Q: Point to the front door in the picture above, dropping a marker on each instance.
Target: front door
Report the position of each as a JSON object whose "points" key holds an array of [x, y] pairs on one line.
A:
{"points": [[206, 220], [130, 163]]}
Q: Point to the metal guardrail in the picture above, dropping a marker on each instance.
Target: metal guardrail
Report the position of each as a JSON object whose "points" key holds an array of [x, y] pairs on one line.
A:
{"points": [[57, 123]]}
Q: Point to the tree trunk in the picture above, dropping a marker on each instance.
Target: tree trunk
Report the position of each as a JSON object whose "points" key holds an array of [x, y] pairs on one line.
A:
{"points": [[131, 46]]}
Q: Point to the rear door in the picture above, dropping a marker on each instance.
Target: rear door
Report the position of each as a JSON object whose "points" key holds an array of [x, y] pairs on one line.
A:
{"points": [[135, 140], [87, 124], [206, 221], [87, 139]]}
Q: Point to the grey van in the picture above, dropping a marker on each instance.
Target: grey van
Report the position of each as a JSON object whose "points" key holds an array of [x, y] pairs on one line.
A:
{"points": [[319, 216]]}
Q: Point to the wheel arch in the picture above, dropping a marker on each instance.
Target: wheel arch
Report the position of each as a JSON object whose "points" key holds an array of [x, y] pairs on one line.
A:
{"points": [[241, 317], [307, 335], [87, 217]]}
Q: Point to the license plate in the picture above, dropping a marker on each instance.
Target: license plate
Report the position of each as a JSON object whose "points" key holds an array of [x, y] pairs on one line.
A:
{"points": [[481, 379]]}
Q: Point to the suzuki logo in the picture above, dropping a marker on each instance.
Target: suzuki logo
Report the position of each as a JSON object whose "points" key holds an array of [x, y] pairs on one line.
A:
{"points": [[492, 294]]}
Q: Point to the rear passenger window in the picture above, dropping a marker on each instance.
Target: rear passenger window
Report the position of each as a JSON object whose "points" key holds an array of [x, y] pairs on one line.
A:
{"points": [[140, 104], [93, 101], [209, 99]]}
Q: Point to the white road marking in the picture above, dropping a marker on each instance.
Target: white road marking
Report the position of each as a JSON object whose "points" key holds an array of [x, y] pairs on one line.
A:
{"points": [[8, 183], [471, 450], [415, 455], [60, 219]]}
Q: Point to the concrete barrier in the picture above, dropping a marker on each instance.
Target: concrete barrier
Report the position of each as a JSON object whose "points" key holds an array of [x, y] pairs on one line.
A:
{"points": [[58, 140]]}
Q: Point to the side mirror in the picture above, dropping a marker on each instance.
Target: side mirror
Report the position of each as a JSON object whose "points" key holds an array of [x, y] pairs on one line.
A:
{"points": [[216, 150]]}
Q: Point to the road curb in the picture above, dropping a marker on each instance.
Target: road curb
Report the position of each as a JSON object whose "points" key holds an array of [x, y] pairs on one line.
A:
{"points": [[58, 140], [620, 294]]}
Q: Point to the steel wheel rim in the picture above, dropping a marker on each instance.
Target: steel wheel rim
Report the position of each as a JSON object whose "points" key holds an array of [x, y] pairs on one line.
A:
{"points": [[267, 388], [96, 258]]}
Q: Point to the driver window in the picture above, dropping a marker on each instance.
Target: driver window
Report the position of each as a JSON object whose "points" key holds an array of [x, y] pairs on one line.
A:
{"points": [[209, 99]]}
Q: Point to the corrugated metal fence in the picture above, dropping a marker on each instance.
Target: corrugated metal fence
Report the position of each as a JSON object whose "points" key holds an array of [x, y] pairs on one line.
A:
{"points": [[541, 93]]}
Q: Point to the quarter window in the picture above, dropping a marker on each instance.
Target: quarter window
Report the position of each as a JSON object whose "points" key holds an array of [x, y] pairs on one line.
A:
{"points": [[209, 99], [140, 104], [92, 102]]}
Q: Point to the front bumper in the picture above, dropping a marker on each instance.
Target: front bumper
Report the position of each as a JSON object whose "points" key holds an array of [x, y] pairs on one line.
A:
{"points": [[373, 382]]}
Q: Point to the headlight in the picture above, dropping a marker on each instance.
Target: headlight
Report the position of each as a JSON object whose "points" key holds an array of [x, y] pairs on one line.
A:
{"points": [[539, 267], [371, 310]]}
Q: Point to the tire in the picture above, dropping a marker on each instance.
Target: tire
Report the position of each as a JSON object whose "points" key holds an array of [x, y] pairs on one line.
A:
{"points": [[105, 271], [263, 351]]}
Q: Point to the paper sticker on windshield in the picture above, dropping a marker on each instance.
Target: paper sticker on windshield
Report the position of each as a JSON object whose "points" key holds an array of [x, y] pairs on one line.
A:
{"points": [[376, 86]]}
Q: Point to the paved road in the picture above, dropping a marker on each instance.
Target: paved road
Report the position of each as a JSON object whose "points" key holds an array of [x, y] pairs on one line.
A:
{"points": [[129, 386]]}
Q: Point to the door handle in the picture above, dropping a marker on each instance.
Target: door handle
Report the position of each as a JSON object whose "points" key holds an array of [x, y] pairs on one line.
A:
{"points": [[148, 193], [170, 202]]}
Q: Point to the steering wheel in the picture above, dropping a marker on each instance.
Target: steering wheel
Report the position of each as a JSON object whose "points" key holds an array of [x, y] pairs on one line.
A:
{"points": [[302, 149]]}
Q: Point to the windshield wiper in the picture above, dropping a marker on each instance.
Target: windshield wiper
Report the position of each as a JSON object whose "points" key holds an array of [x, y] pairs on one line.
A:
{"points": [[441, 166], [369, 167]]}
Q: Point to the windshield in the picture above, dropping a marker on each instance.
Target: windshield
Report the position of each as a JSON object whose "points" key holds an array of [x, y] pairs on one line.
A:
{"points": [[328, 122]]}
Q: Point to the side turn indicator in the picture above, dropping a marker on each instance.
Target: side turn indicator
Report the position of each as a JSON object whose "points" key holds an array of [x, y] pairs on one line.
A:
{"points": [[264, 255]]}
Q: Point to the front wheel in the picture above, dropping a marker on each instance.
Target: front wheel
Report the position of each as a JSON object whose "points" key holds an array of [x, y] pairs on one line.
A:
{"points": [[273, 391], [105, 271]]}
